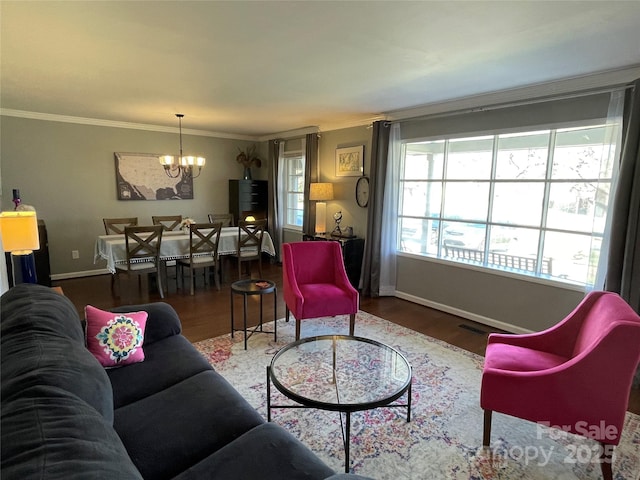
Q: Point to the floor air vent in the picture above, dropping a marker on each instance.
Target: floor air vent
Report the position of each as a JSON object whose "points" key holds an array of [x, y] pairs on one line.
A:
{"points": [[472, 329]]}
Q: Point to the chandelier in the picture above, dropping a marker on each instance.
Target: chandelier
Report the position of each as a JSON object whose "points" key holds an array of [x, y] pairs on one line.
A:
{"points": [[183, 165]]}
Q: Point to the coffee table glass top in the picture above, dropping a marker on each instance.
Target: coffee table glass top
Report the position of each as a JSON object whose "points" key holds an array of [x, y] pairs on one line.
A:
{"points": [[341, 373]]}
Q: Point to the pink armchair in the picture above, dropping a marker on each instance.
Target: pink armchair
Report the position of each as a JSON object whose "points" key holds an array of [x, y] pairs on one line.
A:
{"points": [[575, 375], [315, 282]]}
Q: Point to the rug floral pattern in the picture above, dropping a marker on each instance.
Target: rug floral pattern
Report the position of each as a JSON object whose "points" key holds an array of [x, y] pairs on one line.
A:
{"points": [[443, 439]]}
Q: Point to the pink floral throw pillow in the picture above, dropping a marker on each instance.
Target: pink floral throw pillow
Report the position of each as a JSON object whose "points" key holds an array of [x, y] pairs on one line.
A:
{"points": [[115, 339]]}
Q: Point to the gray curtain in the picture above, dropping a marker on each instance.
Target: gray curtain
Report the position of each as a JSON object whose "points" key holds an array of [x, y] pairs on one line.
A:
{"points": [[310, 176], [275, 225], [623, 270], [370, 275]]}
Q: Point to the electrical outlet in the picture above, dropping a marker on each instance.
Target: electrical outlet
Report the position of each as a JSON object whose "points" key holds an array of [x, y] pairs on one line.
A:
{"points": [[75, 254]]}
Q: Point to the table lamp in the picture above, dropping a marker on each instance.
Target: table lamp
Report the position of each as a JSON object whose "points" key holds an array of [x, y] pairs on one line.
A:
{"points": [[19, 231], [319, 192]]}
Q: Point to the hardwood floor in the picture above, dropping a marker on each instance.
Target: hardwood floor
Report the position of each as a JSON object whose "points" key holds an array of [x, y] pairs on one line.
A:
{"points": [[207, 313]]}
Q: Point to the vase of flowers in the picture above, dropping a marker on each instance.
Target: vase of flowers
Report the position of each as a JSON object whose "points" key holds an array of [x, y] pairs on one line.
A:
{"points": [[248, 158], [186, 222]]}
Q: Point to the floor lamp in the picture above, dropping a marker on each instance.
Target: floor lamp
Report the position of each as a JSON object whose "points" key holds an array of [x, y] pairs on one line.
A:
{"points": [[19, 231], [319, 192]]}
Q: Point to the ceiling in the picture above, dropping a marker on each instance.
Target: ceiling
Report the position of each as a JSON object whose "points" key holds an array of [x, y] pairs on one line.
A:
{"points": [[257, 68]]}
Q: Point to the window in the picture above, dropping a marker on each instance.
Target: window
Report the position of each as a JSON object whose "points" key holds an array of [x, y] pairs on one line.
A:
{"points": [[531, 203], [294, 190]]}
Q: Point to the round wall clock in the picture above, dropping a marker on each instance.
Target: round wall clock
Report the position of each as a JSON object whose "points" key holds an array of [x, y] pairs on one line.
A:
{"points": [[362, 191]]}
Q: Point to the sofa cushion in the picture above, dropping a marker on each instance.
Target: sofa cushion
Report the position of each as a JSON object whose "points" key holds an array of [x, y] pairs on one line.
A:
{"points": [[115, 339], [168, 432], [42, 344], [33, 308], [259, 454], [50, 433], [167, 362]]}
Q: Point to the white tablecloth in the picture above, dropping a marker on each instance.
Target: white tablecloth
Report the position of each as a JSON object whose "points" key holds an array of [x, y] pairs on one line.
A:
{"points": [[112, 248]]}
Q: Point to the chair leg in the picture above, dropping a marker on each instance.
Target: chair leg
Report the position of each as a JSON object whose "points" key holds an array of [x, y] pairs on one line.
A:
{"points": [[606, 461], [486, 436], [115, 277], [260, 266], [298, 322], [224, 270], [192, 280], [286, 314], [216, 275], [159, 275], [352, 324], [165, 273]]}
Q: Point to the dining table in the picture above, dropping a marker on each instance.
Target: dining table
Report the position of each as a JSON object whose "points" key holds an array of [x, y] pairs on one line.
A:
{"points": [[174, 245]]}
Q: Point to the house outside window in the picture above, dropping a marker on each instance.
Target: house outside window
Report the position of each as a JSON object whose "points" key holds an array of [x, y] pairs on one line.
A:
{"points": [[294, 163], [531, 202]]}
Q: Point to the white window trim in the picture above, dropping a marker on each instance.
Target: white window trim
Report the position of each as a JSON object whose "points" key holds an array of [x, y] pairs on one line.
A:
{"points": [[285, 157]]}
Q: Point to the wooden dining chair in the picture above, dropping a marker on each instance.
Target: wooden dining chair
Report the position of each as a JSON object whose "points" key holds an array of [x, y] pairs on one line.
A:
{"points": [[115, 226], [225, 218], [142, 244], [204, 239], [250, 244], [169, 222]]}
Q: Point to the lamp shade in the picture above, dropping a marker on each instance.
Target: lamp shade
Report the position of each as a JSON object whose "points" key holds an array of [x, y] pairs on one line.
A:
{"points": [[19, 231], [181, 165], [321, 191]]}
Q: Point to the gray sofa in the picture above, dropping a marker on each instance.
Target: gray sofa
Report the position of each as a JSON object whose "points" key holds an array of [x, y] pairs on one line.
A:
{"points": [[170, 416]]}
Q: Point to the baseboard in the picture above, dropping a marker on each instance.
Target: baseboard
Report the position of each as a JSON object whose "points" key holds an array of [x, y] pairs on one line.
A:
{"points": [[85, 273], [462, 313], [387, 291]]}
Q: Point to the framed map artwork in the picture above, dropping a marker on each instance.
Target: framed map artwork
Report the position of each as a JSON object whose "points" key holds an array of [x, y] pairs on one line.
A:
{"points": [[139, 176], [349, 161]]}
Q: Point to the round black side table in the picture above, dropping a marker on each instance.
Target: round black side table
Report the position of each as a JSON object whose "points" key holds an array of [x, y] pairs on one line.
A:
{"points": [[253, 287]]}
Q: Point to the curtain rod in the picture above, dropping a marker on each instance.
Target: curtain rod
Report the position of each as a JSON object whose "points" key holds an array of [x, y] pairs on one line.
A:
{"points": [[520, 103]]}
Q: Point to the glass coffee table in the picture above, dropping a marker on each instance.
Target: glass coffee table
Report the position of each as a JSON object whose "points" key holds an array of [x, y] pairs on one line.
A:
{"points": [[340, 373]]}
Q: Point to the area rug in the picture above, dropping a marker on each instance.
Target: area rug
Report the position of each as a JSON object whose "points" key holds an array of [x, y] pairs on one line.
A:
{"points": [[443, 439]]}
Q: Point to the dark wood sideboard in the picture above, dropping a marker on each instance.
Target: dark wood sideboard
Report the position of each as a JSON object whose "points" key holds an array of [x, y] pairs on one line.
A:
{"points": [[248, 196]]}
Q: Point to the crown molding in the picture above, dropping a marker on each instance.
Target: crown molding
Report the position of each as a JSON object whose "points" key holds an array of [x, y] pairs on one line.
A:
{"points": [[361, 122], [606, 79], [52, 117], [298, 132]]}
